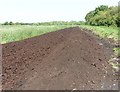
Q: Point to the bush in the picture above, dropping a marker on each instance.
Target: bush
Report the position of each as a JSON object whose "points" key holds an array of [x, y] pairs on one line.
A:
{"points": [[103, 16]]}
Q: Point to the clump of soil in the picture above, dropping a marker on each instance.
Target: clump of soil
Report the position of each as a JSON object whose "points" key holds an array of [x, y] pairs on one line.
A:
{"points": [[65, 59]]}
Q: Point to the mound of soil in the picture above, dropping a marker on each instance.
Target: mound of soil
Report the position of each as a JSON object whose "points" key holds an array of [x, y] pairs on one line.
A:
{"points": [[65, 59]]}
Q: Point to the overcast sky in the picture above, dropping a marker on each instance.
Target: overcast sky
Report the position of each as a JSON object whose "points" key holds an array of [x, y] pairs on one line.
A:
{"points": [[48, 10]]}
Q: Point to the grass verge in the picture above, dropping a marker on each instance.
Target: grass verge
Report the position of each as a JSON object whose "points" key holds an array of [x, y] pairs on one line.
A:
{"points": [[104, 32], [11, 33], [108, 32]]}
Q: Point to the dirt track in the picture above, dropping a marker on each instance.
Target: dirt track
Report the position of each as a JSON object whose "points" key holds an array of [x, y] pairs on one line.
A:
{"points": [[65, 59]]}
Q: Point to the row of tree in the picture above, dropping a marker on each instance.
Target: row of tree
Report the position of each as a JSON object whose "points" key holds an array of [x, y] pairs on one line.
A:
{"points": [[17, 23], [48, 23], [104, 16], [101, 16]]}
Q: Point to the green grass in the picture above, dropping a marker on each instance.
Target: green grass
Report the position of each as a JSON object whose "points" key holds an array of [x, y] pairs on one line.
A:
{"points": [[11, 33], [117, 51], [104, 32]]}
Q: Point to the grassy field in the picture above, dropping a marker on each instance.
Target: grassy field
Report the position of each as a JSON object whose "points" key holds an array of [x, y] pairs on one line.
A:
{"points": [[104, 32], [11, 33]]}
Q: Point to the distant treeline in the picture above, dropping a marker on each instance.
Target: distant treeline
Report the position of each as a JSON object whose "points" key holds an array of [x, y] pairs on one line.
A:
{"points": [[104, 16], [48, 23], [101, 16]]}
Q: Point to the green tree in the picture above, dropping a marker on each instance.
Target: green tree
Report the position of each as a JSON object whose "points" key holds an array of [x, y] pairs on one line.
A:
{"points": [[11, 23], [103, 16], [6, 23]]}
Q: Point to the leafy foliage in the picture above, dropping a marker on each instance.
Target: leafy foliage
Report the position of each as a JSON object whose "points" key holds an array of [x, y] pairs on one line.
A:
{"points": [[103, 16]]}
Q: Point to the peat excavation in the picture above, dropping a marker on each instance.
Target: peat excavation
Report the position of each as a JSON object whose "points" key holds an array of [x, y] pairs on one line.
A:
{"points": [[67, 59]]}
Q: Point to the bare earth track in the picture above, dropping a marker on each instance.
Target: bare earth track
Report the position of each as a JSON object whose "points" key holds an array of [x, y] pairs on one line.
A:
{"points": [[65, 59]]}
